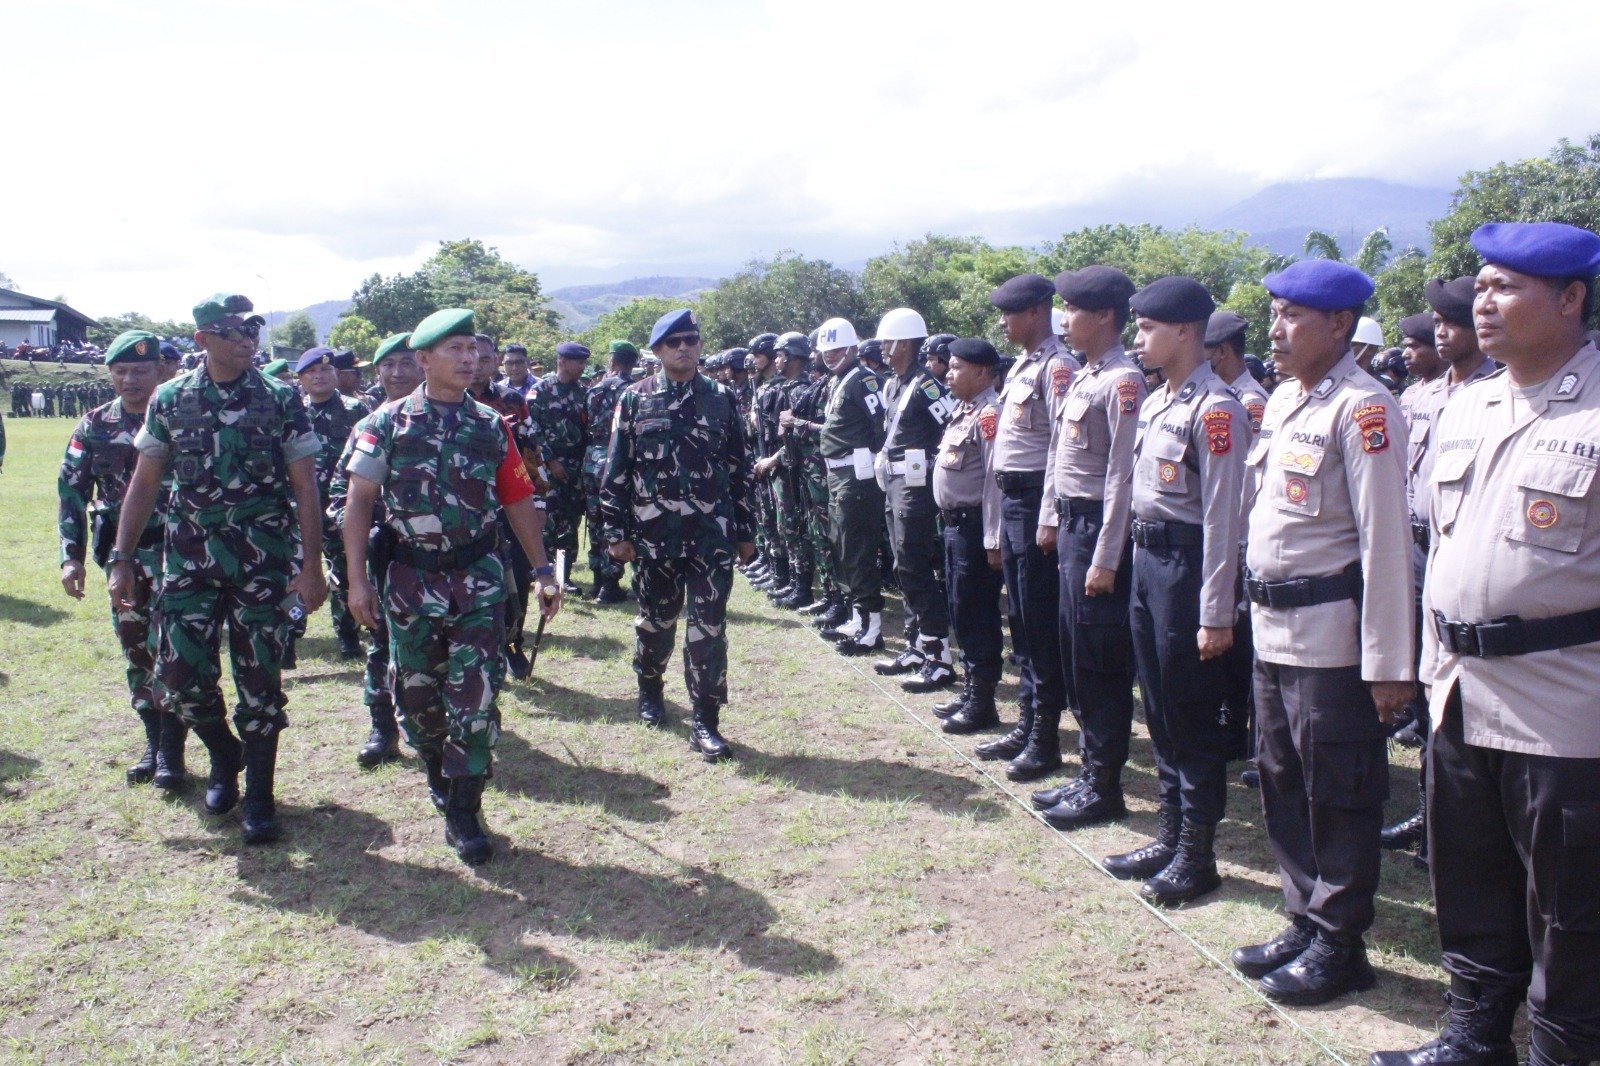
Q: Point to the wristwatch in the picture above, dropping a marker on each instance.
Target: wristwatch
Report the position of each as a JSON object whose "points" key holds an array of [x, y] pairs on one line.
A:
{"points": [[117, 555], [546, 570]]}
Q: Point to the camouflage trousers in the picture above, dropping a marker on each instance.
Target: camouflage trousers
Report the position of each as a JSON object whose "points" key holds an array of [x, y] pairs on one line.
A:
{"points": [[663, 585], [375, 683], [137, 629], [600, 563], [816, 500], [791, 519], [445, 673], [194, 609], [563, 515], [344, 623], [767, 536]]}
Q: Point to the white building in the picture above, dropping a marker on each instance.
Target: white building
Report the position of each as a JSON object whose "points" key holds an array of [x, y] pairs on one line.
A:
{"points": [[39, 323]]}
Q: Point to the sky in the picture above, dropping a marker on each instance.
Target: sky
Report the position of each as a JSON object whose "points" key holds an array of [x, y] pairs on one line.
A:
{"points": [[166, 150]]}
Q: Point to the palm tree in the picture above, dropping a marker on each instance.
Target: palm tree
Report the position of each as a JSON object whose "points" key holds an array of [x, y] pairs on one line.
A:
{"points": [[1320, 245], [1370, 259]]}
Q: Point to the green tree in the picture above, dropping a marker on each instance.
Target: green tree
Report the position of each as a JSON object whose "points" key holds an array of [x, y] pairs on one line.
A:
{"points": [[1374, 252], [105, 330], [6, 282], [296, 331], [393, 305], [1400, 292], [630, 322], [783, 293], [355, 333], [945, 279]]}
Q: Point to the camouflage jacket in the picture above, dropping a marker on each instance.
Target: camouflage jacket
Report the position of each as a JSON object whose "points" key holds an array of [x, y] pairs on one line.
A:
{"points": [[602, 404], [508, 403], [809, 403], [439, 470], [561, 418], [770, 400], [97, 467], [677, 471], [229, 449], [332, 421]]}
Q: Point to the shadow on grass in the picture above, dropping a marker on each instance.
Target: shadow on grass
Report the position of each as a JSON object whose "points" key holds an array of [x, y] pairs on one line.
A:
{"points": [[537, 775], [29, 612], [572, 704], [520, 896], [14, 766], [587, 646], [872, 779]]}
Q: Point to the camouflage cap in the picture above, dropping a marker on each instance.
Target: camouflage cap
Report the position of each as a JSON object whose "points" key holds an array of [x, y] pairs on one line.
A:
{"points": [[134, 346], [449, 322], [397, 342], [218, 306]]}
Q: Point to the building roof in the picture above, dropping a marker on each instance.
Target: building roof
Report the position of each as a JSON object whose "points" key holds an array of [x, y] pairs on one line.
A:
{"points": [[50, 307], [27, 314]]}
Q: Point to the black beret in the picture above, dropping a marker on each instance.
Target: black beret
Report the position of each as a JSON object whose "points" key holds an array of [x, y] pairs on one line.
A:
{"points": [[1225, 326], [1418, 327], [1022, 292], [974, 350], [1452, 299], [1095, 288], [1173, 299]]}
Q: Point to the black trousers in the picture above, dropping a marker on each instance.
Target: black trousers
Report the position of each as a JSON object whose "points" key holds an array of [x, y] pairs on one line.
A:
{"points": [[974, 597], [1032, 591], [1515, 861], [1097, 643], [855, 515], [913, 534], [1324, 778], [1182, 695]]}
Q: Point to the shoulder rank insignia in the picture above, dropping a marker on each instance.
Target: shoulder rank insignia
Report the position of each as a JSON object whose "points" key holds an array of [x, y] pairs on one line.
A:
{"points": [[1324, 387], [1568, 386]]}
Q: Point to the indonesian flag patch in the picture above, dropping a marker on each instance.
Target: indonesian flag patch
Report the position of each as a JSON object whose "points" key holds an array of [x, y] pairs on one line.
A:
{"points": [[367, 442], [1219, 432], [75, 448]]}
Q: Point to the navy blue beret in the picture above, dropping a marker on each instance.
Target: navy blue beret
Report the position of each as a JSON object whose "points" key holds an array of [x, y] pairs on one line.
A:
{"points": [[571, 350], [170, 351], [345, 359], [1322, 284], [681, 320], [1543, 249], [1418, 327], [1095, 288], [1173, 299], [974, 350], [1225, 326], [312, 357], [1452, 299], [1022, 292]]}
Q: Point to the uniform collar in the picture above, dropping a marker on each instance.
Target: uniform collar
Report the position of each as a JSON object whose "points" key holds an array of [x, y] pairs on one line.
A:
{"points": [[1333, 378], [1110, 357], [1197, 384]]}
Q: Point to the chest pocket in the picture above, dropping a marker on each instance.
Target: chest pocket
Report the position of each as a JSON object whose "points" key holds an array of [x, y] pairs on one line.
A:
{"points": [[261, 451], [1449, 485], [482, 448], [1163, 462], [1020, 403], [1417, 443], [654, 437], [1074, 429], [1551, 506], [1295, 486]]}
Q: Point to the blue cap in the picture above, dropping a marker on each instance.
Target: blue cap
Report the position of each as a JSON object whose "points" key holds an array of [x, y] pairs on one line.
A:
{"points": [[1173, 299], [1322, 284], [681, 320], [312, 357], [1543, 249], [170, 351], [571, 350], [1022, 292]]}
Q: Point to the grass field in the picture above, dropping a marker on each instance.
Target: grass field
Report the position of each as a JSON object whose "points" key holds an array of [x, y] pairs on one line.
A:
{"points": [[849, 888]]}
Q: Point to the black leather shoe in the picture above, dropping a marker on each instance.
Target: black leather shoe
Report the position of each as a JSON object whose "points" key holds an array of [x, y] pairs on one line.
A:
{"points": [[610, 592], [1041, 755], [778, 592], [704, 737], [821, 605], [463, 830], [1046, 798], [1192, 873], [975, 717], [258, 813], [350, 648], [652, 708], [1258, 960], [1144, 863], [800, 599], [227, 757], [1250, 778], [1325, 970], [951, 706], [1411, 735], [1404, 835], [383, 745], [1011, 745], [571, 588], [170, 775], [1098, 803], [908, 661], [830, 620], [1477, 1031]]}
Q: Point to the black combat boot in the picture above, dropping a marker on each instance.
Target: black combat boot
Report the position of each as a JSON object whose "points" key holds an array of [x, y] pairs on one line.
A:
{"points": [[222, 786], [1192, 872], [937, 670], [1325, 970], [1010, 745], [800, 595], [170, 775], [383, 742], [350, 644], [1046, 798], [142, 771], [611, 592], [908, 661], [1144, 863], [652, 708], [1477, 1031], [703, 735], [834, 617], [955, 703], [1258, 960], [978, 713], [438, 784], [1041, 755], [463, 830], [1403, 835], [823, 604], [258, 812], [1098, 802]]}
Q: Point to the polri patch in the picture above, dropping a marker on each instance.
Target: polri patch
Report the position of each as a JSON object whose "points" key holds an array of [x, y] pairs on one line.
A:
{"points": [[1542, 514], [1167, 472], [1219, 431], [988, 423], [1255, 409], [1373, 422], [1296, 489], [1061, 378], [1127, 395]]}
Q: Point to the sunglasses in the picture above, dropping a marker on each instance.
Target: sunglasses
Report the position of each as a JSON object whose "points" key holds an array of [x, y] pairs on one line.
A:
{"points": [[681, 340], [250, 330]]}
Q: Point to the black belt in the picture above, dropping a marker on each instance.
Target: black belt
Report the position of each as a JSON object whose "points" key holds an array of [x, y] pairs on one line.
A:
{"points": [[1167, 534], [1306, 591], [445, 562], [1420, 534], [1016, 483], [1073, 506], [954, 516], [1512, 635]]}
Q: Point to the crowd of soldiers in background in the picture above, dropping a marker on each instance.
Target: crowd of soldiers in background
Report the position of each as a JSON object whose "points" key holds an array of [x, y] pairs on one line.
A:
{"points": [[57, 401]]}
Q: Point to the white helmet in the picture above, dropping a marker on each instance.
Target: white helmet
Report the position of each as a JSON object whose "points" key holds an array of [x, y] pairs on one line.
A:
{"points": [[1368, 332], [836, 333], [1058, 321], [902, 324]]}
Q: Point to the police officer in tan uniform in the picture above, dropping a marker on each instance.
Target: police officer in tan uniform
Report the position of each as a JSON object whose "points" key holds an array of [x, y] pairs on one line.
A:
{"points": [[1088, 493], [1035, 387], [1512, 655], [969, 504], [1329, 581]]}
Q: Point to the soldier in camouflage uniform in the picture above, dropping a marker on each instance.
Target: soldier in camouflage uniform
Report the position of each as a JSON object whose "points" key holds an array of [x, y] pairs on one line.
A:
{"points": [[333, 415], [241, 454], [602, 403], [807, 411], [97, 467], [773, 569], [783, 467], [561, 416], [676, 498], [398, 377], [443, 466]]}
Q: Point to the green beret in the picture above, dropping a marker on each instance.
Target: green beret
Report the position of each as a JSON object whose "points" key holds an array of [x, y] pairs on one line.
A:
{"points": [[396, 342], [134, 346], [218, 306], [450, 322], [276, 367], [625, 349]]}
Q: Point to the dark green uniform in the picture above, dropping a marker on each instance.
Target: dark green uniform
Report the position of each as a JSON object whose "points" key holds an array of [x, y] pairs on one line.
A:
{"points": [[809, 403], [854, 425], [602, 403], [332, 421], [561, 416]]}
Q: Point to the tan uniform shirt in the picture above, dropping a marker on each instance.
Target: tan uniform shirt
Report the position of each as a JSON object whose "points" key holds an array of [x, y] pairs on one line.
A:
{"points": [[1091, 449], [1330, 490], [963, 476], [1422, 404], [1189, 467], [1516, 531], [1254, 398], [1034, 389]]}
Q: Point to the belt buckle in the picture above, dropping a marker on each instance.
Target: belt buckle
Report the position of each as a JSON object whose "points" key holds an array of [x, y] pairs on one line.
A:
{"points": [[1463, 638]]}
